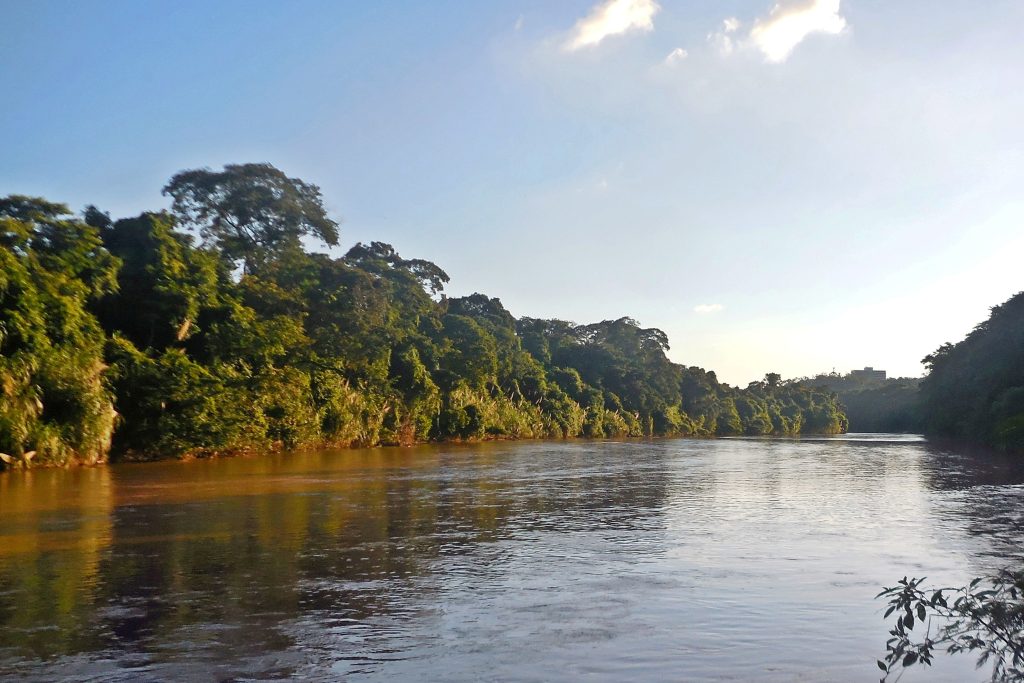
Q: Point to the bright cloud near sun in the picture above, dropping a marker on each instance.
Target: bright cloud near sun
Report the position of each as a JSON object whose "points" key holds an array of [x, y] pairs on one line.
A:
{"points": [[705, 309], [790, 22], [611, 18]]}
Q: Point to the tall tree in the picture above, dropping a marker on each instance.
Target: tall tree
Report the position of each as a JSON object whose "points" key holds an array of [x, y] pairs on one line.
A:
{"points": [[251, 212]]}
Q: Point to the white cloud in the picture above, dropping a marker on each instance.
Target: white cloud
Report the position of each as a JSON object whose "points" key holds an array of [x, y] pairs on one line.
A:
{"points": [[706, 309], [722, 43], [519, 22], [611, 18], [677, 55], [789, 22], [721, 40]]}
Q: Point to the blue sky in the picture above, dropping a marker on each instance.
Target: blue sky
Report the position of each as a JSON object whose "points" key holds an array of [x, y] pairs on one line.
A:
{"points": [[791, 187]]}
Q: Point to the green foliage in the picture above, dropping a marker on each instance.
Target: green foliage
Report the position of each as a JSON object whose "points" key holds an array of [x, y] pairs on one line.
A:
{"points": [[53, 401], [470, 353], [727, 419], [172, 406], [251, 212], [299, 349], [890, 405], [162, 284], [975, 389], [420, 396], [985, 617]]}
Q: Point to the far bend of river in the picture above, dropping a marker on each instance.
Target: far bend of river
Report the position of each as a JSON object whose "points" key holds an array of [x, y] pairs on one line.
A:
{"points": [[735, 559]]}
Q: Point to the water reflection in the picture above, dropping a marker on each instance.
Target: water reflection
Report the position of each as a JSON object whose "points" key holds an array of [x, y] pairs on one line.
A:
{"points": [[57, 525], [982, 494], [644, 560]]}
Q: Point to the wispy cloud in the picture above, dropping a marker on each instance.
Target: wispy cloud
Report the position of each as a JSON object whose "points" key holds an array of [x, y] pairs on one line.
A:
{"points": [[677, 55], [789, 22], [707, 309], [722, 40], [611, 18]]}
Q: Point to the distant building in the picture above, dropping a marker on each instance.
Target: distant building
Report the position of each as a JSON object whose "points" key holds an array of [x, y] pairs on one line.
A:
{"points": [[868, 375]]}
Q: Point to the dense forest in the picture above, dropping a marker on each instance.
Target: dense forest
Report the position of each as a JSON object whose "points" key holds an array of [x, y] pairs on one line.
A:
{"points": [[212, 328], [888, 405], [974, 390]]}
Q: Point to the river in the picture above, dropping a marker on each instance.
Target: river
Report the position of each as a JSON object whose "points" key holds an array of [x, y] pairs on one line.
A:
{"points": [[731, 559]]}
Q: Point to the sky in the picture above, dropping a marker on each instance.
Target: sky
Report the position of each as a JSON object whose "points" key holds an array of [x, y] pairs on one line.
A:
{"points": [[797, 186]]}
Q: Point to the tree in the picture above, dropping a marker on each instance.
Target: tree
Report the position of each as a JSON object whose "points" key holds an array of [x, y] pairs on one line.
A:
{"points": [[54, 403], [382, 259], [250, 212], [309, 349], [986, 616], [162, 284], [974, 390]]}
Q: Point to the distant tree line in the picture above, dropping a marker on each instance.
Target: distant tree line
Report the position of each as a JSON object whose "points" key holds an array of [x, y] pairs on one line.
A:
{"points": [[889, 405], [212, 328], [973, 391]]}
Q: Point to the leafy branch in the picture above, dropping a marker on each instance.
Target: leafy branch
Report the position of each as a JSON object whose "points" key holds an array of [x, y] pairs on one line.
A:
{"points": [[985, 617]]}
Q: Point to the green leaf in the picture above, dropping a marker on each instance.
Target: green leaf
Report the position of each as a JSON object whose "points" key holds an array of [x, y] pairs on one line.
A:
{"points": [[881, 665], [910, 659]]}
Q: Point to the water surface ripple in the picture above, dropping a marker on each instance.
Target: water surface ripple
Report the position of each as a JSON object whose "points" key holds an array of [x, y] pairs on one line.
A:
{"points": [[735, 559]]}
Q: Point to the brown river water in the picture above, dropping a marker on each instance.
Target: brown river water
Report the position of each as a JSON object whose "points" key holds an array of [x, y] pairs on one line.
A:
{"points": [[733, 559]]}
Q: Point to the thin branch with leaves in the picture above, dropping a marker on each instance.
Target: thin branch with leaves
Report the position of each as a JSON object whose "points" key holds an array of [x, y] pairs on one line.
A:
{"points": [[985, 617]]}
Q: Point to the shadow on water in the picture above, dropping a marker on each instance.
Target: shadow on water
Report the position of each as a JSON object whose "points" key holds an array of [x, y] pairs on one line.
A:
{"points": [[983, 493]]}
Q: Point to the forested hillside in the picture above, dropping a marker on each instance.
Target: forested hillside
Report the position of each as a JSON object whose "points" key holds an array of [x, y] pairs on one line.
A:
{"points": [[975, 389], [213, 328]]}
